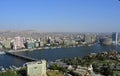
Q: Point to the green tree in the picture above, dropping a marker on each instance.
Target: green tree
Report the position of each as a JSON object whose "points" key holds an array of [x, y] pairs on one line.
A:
{"points": [[9, 73]]}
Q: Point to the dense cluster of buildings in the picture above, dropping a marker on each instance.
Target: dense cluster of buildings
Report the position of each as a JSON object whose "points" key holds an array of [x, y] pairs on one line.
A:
{"points": [[47, 40]]}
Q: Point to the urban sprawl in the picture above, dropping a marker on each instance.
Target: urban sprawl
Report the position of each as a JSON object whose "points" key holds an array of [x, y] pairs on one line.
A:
{"points": [[33, 39], [96, 64]]}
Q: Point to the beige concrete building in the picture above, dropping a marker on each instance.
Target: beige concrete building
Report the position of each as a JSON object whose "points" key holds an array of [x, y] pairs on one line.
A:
{"points": [[7, 42], [37, 68]]}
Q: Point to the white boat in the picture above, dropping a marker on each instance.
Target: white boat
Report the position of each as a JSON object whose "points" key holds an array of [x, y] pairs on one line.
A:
{"points": [[10, 67], [2, 69], [2, 52], [46, 47], [14, 67]]}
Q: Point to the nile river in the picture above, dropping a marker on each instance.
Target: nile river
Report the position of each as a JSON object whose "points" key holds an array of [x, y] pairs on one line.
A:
{"points": [[53, 54]]}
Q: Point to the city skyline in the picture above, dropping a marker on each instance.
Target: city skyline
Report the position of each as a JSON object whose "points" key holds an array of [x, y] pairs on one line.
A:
{"points": [[60, 15]]}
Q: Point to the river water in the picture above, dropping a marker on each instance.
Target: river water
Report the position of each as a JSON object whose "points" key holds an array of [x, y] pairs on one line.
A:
{"points": [[53, 54]]}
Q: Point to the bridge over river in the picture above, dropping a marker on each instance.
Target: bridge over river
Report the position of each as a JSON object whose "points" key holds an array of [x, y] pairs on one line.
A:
{"points": [[21, 56]]}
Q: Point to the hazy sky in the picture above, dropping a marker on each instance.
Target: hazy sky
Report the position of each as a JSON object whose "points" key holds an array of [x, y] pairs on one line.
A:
{"points": [[61, 15]]}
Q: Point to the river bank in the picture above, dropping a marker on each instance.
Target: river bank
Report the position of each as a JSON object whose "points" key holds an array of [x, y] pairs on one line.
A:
{"points": [[47, 48], [52, 54]]}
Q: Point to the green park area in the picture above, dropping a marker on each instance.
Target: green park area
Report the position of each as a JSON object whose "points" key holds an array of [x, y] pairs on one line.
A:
{"points": [[54, 73]]}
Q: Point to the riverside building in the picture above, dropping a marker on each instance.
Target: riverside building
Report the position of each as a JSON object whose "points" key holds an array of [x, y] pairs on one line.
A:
{"points": [[114, 38], [18, 43]]}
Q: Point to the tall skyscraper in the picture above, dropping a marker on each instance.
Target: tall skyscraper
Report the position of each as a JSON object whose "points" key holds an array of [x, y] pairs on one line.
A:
{"points": [[18, 42], [115, 38]]}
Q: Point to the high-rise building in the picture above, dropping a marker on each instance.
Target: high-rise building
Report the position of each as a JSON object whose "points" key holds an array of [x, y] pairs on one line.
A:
{"points": [[37, 68], [18, 42], [88, 38], [115, 38]]}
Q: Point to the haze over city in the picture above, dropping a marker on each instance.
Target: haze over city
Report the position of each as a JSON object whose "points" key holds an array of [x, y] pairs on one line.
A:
{"points": [[60, 15]]}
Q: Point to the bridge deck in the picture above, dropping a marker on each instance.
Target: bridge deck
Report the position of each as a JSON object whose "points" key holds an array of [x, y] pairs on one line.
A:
{"points": [[21, 56]]}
